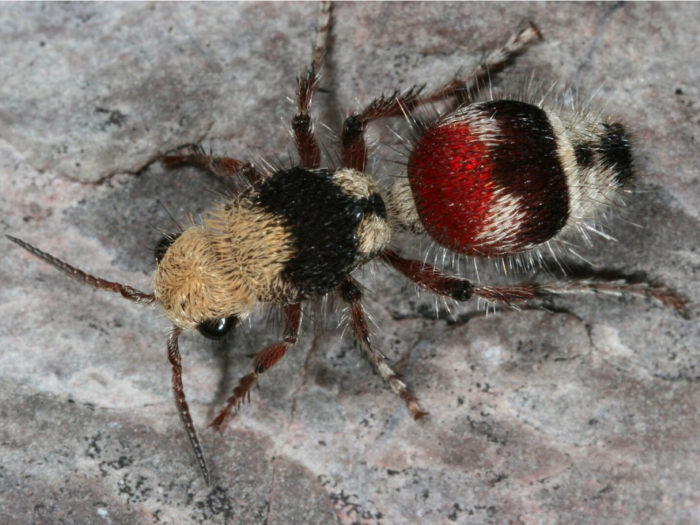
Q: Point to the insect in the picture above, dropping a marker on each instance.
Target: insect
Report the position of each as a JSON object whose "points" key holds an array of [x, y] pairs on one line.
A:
{"points": [[495, 179]]}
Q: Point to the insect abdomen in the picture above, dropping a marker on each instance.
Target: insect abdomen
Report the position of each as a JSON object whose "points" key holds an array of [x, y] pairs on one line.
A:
{"points": [[502, 177], [488, 181]]}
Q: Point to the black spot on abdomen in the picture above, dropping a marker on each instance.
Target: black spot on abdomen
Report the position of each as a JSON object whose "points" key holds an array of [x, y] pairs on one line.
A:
{"points": [[584, 155], [616, 153], [526, 164]]}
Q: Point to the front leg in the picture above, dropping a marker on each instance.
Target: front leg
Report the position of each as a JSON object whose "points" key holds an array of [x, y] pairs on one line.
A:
{"points": [[222, 167], [263, 361], [183, 408]]}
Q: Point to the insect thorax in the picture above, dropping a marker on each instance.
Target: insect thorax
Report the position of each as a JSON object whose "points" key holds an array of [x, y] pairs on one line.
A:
{"points": [[299, 234]]}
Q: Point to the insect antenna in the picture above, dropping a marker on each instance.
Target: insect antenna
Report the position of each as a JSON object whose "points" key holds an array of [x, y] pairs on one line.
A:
{"points": [[126, 291], [175, 221], [173, 352]]}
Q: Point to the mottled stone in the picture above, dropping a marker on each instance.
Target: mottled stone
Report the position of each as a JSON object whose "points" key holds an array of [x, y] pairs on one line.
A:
{"points": [[586, 414]]}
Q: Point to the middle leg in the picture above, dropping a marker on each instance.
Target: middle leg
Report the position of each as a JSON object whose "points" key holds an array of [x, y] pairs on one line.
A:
{"points": [[351, 293]]}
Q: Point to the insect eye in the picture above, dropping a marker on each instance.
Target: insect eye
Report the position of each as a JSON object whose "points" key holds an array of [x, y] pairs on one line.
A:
{"points": [[218, 328], [163, 244]]}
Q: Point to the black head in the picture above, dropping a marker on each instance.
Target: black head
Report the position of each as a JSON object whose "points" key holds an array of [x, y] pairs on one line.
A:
{"points": [[218, 328]]}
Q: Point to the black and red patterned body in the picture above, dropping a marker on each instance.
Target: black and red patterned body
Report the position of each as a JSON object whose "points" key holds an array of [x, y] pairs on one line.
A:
{"points": [[489, 179], [502, 177]]}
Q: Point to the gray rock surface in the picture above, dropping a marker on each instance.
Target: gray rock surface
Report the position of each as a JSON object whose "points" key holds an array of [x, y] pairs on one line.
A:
{"points": [[586, 415]]}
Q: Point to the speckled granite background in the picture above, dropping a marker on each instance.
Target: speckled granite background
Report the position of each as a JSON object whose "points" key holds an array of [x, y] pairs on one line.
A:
{"points": [[586, 415]]}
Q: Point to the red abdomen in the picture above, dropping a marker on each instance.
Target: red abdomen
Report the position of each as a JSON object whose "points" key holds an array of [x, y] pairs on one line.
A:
{"points": [[487, 179]]}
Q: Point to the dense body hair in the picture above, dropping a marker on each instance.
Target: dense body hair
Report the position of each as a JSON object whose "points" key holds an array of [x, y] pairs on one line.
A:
{"points": [[295, 235], [503, 177], [486, 179]]}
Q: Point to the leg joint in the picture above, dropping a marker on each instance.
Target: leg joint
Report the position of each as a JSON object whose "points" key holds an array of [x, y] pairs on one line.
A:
{"points": [[460, 289], [353, 127], [350, 292], [301, 122]]}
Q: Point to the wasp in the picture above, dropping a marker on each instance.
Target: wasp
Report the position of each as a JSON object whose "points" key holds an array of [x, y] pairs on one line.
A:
{"points": [[488, 179]]}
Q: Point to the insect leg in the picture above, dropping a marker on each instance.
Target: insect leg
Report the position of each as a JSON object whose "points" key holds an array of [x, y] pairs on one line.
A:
{"points": [[302, 125], [460, 289], [462, 87], [263, 361], [351, 293], [223, 167], [353, 147], [181, 403], [529, 291]]}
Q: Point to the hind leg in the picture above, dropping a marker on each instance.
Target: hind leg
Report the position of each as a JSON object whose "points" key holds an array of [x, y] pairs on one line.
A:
{"points": [[352, 140], [460, 289]]}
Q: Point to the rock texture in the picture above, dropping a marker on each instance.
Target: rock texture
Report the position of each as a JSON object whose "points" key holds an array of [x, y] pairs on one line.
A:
{"points": [[585, 415]]}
